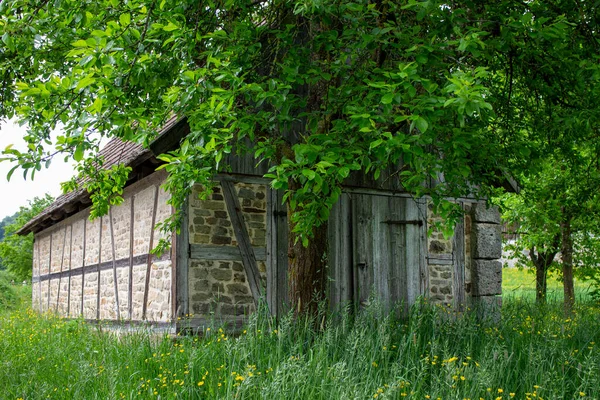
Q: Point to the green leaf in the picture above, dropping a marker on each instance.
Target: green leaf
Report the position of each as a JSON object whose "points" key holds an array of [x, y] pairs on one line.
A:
{"points": [[125, 19], [85, 82], [421, 124], [78, 154], [80, 43], [309, 173], [170, 27], [387, 98]]}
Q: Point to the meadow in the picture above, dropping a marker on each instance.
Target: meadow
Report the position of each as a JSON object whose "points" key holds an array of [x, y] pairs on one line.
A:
{"points": [[530, 353]]}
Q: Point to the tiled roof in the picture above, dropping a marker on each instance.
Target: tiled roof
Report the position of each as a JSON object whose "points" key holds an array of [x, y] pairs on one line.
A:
{"points": [[115, 152]]}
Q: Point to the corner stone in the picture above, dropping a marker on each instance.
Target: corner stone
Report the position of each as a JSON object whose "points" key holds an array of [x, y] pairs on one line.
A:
{"points": [[486, 277], [483, 213], [487, 241]]}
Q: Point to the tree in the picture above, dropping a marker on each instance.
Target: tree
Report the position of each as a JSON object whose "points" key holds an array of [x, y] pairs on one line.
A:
{"points": [[316, 88], [16, 252]]}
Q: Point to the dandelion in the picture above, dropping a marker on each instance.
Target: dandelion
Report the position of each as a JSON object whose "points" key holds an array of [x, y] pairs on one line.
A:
{"points": [[201, 383], [582, 394]]}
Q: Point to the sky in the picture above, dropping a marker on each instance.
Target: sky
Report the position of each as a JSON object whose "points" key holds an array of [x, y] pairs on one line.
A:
{"points": [[17, 191]]}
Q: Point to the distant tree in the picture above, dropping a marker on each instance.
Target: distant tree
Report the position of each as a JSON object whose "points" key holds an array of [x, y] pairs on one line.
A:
{"points": [[16, 252], [9, 219]]}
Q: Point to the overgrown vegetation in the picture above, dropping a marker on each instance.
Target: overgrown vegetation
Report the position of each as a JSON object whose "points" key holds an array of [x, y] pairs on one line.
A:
{"points": [[13, 295], [16, 251], [531, 352]]}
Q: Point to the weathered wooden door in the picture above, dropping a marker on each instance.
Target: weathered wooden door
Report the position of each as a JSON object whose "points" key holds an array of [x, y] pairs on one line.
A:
{"points": [[377, 250]]}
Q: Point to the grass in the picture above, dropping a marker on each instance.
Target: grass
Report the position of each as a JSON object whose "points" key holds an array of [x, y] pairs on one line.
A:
{"points": [[531, 352], [520, 284]]}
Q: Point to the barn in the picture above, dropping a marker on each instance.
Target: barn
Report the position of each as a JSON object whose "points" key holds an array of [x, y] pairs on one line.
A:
{"points": [[231, 253]]}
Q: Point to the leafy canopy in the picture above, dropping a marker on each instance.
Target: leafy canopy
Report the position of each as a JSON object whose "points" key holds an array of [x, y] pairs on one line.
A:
{"points": [[318, 89]]}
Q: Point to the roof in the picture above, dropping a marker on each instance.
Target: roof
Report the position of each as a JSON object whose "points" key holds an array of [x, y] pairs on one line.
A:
{"points": [[115, 152]]}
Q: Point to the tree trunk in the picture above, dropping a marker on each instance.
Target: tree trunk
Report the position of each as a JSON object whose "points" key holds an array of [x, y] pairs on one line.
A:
{"points": [[542, 261], [307, 270], [541, 277], [567, 261]]}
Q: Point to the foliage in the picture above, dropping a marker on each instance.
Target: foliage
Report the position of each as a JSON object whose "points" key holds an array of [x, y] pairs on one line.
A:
{"points": [[430, 355], [13, 295], [318, 89], [6, 221], [16, 252], [464, 91]]}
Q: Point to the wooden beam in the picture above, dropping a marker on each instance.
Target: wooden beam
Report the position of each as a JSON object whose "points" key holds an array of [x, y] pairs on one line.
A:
{"points": [[182, 256], [98, 270], [149, 265], [83, 264], [114, 259], [70, 265], [214, 252], [49, 268], [62, 261], [39, 263], [277, 245], [458, 275], [243, 239], [131, 238]]}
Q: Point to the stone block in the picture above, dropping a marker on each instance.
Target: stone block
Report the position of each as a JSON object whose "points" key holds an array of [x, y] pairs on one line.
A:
{"points": [[486, 277], [482, 213], [487, 241], [237, 289], [487, 308], [221, 274]]}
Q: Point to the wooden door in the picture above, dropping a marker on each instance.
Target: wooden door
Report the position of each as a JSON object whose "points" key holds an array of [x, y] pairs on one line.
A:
{"points": [[377, 251]]}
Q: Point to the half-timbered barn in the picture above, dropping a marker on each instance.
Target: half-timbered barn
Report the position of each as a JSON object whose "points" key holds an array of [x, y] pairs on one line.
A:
{"points": [[231, 253]]}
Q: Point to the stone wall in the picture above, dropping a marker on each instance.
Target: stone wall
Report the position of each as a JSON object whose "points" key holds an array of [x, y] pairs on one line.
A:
{"points": [[75, 261], [486, 250], [215, 285], [439, 260]]}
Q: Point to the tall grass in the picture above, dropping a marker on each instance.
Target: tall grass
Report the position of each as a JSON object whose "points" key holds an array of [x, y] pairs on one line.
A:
{"points": [[530, 353]]}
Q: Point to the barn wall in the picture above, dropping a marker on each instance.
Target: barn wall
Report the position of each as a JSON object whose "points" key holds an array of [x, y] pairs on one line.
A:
{"points": [[218, 283], [101, 269]]}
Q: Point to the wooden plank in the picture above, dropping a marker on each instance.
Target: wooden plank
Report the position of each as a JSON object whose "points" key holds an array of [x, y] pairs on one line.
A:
{"points": [[271, 240], [441, 261], [130, 280], [243, 239], [458, 275], [62, 261], [98, 271], [39, 262], [114, 260], [398, 243], [149, 264], [70, 266], [182, 244], [383, 265], [414, 252], [423, 247], [49, 269], [282, 235], [398, 193], [362, 221], [277, 250], [340, 254], [215, 252], [83, 264]]}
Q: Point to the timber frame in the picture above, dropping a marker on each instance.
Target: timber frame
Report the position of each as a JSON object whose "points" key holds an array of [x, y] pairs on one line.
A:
{"points": [[230, 255]]}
